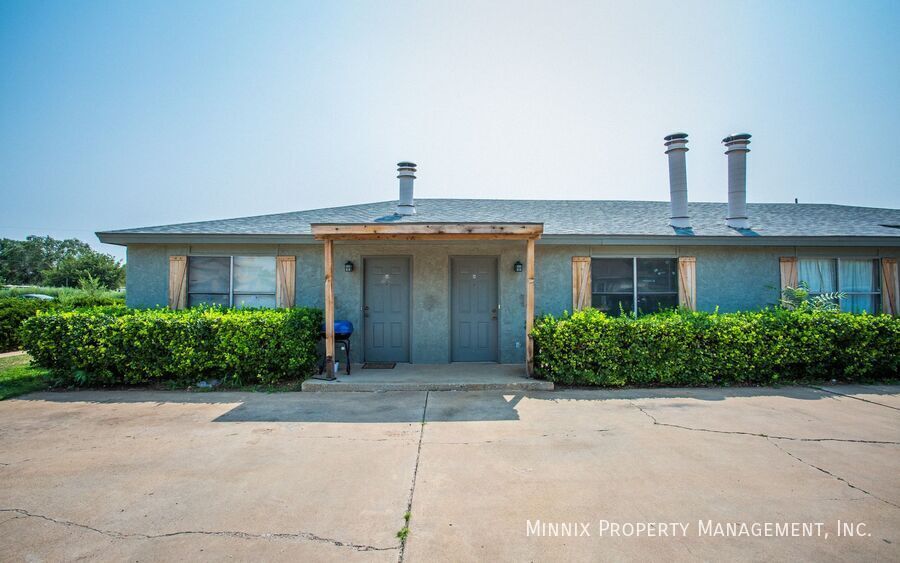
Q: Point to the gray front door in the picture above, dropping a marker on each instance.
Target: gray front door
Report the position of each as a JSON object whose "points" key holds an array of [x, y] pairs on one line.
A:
{"points": [[473, 282], [386, 309]]}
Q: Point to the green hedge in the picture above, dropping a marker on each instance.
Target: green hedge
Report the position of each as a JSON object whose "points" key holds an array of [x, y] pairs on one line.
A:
{"points": [[14, 310], [112, 346], [683, 348]]}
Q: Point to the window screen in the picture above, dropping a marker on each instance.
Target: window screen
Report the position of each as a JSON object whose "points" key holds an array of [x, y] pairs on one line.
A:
{"points": [[239, 281], [657, 284], [209, 280], [612, 285], [254, 281], [614, 290]]}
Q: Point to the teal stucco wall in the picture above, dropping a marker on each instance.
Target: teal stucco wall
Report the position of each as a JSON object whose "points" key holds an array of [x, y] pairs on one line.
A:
{"points": [[728, 278]]}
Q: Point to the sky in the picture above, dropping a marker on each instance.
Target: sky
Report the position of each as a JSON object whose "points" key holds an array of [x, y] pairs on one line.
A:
{"points": [[127, 114]]}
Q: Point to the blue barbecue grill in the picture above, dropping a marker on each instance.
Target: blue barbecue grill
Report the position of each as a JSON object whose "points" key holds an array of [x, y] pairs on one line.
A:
{"points": [[342, 332]]}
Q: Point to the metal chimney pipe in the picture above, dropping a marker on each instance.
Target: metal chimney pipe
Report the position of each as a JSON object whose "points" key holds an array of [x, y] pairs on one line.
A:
{"points": [[736, 149], [676, 147], [406, 172]]}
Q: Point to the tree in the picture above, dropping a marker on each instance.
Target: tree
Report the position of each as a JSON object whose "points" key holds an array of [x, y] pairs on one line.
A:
{"points": [[101, 269], [23, 262], [62, 263]]}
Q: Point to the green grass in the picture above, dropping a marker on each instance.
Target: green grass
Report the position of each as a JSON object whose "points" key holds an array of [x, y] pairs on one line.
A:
{"points": [[404, 531], [18, 377]]}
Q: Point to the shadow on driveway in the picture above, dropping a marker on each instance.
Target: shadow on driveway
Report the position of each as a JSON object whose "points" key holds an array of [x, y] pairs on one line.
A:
{"points": [[409, 406]]}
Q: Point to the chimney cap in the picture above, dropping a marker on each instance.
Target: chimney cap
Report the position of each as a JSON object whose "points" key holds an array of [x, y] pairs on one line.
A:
{"points": [[737, 137], [406, 164], [675, 136]]}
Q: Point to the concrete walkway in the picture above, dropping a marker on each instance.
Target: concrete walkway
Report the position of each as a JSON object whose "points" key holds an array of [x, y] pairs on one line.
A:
{"points": [[433, 377], [13, 353], [137, 475]]}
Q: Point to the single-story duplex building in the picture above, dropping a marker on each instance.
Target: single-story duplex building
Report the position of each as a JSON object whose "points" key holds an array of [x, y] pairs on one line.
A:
{"points": [[460, 280]]}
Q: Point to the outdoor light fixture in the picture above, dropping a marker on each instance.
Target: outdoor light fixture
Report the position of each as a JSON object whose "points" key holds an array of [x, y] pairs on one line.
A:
{"points": [[517, 266], [348, 266]]}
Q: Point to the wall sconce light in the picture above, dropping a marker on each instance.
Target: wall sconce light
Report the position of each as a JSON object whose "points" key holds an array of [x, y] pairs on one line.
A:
{"points": [[348, 266], [517, 266]]}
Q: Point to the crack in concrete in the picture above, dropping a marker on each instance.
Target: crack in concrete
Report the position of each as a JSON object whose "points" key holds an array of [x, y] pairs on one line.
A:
{"points": [[306, 536], [759, 434], [412, 488], [855, 398], [830, 474]]}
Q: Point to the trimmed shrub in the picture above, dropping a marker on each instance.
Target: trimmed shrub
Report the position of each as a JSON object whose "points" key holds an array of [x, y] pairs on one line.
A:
{"points": [[114, 345], [12, 312], [684, 348]]}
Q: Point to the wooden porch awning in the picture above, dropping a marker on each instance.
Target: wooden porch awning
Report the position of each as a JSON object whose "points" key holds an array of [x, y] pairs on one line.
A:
{"points": [[330, 232], [427, 231]]}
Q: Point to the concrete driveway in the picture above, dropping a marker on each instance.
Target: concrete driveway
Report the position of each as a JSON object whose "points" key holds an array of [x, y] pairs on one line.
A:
{"points": [[208, 476]]}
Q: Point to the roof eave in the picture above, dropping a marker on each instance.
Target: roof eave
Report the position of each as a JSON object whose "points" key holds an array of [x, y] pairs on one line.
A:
{"points": [[126, 238], [704, 240]]}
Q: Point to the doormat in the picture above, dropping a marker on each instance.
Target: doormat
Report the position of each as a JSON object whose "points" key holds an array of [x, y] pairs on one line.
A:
{"points": [[379, 365]]}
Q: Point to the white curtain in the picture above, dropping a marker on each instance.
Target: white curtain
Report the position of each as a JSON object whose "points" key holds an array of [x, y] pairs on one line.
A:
{"points": [[858, 276], [819, 274]]}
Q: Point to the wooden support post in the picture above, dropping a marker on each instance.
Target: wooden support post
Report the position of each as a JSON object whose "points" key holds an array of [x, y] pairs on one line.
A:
{"points": [[329, 309], [529, 307]]}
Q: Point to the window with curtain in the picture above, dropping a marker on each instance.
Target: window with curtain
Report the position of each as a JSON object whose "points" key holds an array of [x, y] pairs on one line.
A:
{"points": [[634, 285], [238, 281], [858, 278]]}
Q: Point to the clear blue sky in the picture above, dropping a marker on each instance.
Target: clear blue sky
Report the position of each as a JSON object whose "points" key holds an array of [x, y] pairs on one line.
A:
{"points": [[125, 114]]}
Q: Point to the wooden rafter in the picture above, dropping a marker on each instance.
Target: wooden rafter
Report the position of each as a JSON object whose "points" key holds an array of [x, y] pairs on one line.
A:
{"points": [[428, 231]]}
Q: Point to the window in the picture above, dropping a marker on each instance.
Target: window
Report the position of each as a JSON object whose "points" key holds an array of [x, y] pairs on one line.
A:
{"points": [[634, 285], [209, 281], [238, 281], [858, 278]]}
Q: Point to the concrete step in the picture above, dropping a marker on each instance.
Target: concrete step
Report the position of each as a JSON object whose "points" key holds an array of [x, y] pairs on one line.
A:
{"points": [[359, 383]]}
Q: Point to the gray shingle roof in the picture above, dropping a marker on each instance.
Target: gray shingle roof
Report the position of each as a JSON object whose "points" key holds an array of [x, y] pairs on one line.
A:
{"points": [[568, 217]]}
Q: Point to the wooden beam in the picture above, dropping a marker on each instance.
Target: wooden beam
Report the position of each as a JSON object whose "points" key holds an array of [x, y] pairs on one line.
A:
{"points": [[446, 236], [529, 306], [329, 309], [428, 231]]}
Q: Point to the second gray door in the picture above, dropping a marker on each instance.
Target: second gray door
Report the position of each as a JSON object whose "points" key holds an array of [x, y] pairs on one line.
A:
{"points": [[474, 307], [386, 309]]}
